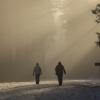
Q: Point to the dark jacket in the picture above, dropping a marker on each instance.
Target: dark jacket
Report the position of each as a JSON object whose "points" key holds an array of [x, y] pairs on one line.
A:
{"points": [[60, 69], [37, 70]]}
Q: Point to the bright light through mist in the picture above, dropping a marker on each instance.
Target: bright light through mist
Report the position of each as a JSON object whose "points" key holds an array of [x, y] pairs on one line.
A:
{"points": [[47, 31]]}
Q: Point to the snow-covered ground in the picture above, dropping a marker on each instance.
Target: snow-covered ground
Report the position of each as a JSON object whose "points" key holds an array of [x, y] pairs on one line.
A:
{"points": [[49, 90]]}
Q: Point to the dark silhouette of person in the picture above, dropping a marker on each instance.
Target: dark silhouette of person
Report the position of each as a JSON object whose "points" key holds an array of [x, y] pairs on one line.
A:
{"points": [[60, 70], [37, 73]]}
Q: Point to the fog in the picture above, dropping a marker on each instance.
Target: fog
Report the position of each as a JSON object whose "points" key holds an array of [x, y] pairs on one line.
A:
{"points": [[48, 31]]}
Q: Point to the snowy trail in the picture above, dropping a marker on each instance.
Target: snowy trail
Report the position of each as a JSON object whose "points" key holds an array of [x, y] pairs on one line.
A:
{"points": [[71, 90]]}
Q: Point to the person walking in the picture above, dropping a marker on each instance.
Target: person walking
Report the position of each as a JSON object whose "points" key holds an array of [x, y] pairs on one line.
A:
{"points": [[37, 73], [60, 70]]}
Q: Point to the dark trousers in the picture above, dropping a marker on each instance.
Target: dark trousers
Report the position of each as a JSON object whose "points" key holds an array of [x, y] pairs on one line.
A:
{"points": [[60, 79], [37, 78]]}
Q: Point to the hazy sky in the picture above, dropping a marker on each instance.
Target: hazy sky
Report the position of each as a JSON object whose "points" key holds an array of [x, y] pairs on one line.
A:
{"points": [[47, 31]]}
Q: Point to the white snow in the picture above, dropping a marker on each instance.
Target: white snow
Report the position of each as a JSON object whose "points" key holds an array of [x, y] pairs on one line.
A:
{"points": [[49, 90]]}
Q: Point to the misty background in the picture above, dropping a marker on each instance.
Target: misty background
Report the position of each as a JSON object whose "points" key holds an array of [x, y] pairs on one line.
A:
{"points": [[48, 31]]}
